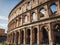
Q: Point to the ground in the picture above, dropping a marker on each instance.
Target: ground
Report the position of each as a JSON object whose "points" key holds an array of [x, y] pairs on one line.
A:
{"points": [[0, 43], [3, 44]]}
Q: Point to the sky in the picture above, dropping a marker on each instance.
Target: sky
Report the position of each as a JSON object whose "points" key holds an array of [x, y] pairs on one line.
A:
{"points": [[5, 8]]}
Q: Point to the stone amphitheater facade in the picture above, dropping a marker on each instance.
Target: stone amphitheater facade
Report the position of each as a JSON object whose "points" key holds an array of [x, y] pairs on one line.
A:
{"points": [[34, 22]]}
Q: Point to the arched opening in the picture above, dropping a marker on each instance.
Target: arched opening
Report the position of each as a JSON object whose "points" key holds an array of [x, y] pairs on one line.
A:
{"points": [[22, 37], [53, 8], [10, 38], [42, 12], [17, 38], [34, 16], [20, 21], [35, 35], [28, 36], [13, 37], [26, 18], [45, 35], [28, 3], [57, 33]]}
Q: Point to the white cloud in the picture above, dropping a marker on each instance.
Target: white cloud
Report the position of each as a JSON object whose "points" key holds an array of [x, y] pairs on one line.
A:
{"points": [[3, 24], [3, 17]]}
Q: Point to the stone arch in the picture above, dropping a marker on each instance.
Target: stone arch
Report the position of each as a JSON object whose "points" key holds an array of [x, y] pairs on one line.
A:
{"points": [[49, 9], [42, 12], [34, 16], [20, 20], [57, 26], [25, 18], [22, 36], [28, 36], [35, 35], [13, 37], [44, 30], [45, 26], [56, 30], [51, 3], [17, 37]]}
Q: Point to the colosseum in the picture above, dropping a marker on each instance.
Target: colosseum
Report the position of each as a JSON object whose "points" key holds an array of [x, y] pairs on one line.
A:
{"points": [[34, 22]]}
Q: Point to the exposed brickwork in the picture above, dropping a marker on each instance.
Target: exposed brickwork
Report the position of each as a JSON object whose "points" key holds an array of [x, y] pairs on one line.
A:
{"points": [[2, 32]]}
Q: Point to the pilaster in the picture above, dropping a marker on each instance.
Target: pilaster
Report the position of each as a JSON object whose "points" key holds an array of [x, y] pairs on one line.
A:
{"points": [[24, 36], [31, 36], [38, 36], [51, 37]]}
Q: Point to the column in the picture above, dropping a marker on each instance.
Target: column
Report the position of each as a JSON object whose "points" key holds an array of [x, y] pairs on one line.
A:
{"points": [[15, 38], [31, 36], [12, 38], [51, 37], [58, 6], [38, 38], [24, 36], [39, 35], [19, 41]]}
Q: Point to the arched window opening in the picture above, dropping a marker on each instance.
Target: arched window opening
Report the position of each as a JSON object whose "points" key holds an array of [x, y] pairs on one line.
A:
{"points": [[53, 8], [57, 27], [42, 12], [28, 3], [20, 20], [20, 8], [45, 35], [26, 18], [34, 16], [57, 33]]}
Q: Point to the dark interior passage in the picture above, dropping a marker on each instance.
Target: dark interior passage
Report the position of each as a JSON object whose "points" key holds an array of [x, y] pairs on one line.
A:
{"points": [[45, 36], [17, 36], [28, 36], [35, 35], [57, 33]]}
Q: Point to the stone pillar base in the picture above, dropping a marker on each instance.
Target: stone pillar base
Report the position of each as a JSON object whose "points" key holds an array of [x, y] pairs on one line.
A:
{"points": [[51, 43], [31, 44], [24, 44], [38, 42]]}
